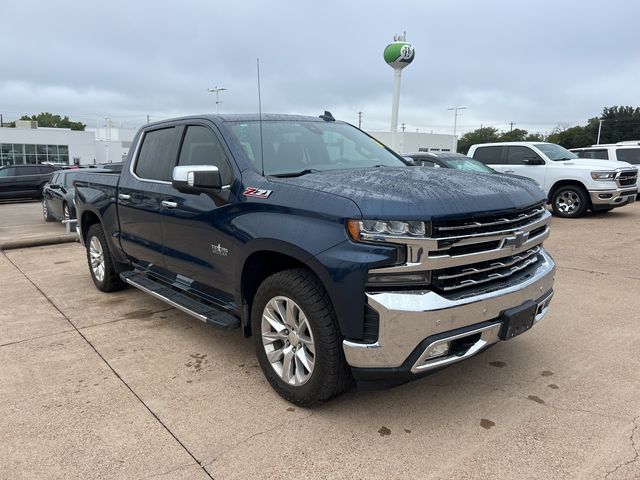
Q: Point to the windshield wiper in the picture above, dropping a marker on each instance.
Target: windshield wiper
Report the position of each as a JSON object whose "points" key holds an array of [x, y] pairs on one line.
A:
{"points": [[296, 174]]}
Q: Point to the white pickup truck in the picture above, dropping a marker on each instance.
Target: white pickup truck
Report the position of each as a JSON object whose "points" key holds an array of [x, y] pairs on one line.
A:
{"points": [[573, 185]]}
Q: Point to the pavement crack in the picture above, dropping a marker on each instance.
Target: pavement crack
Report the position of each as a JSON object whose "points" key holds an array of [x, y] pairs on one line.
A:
{"points": [[636, 454], [257, 434], [36, 338], [597, 272], [113, 370]]}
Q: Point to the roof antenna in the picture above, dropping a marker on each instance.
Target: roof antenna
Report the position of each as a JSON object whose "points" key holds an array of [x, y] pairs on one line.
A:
{"points": [[260, 120]]}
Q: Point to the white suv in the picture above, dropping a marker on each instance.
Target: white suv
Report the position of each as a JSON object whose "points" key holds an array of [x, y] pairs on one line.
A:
{"points": [[622, 151], [573, 185]]}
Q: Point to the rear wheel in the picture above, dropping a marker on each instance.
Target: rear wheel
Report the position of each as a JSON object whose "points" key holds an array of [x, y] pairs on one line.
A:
{"points": [[570, 201], [103, 273], [296, 338], [46, 213]]}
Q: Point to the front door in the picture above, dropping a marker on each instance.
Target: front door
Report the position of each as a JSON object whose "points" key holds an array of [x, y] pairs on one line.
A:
{"points": [[517, 156], [195, 243]]}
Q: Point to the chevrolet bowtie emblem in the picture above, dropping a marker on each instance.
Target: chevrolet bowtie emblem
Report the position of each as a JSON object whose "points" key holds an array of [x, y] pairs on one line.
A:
{"points": [[517, 240]]}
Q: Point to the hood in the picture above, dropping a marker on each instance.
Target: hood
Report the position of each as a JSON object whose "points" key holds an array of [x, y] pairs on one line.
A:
{"points": [[593, 164], [410, 193]]}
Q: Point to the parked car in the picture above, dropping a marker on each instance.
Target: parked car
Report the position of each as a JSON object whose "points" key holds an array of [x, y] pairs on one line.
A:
{"points": [[59, 192], [312, 237], [622, 151], [572, 185], [24, 181]]}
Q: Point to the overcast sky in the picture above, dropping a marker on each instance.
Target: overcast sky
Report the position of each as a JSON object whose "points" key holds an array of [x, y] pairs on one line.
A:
{"points": [[534, 63]]}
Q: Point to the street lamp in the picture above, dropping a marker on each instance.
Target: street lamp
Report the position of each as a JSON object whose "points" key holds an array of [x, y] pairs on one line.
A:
{"points": [[217, 91], [455, 125]]}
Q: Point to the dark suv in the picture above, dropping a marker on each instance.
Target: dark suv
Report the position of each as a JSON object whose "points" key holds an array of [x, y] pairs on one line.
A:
{"points": [[22, 181]]}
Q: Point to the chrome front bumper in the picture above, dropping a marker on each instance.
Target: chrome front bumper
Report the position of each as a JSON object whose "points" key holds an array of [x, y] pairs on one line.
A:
{"points": [[616, 197], [408, 318]]}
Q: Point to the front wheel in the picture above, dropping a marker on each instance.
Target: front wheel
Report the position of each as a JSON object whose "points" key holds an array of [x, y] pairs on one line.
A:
{"points": [[570, 201], [103, 273], [296, 338]]}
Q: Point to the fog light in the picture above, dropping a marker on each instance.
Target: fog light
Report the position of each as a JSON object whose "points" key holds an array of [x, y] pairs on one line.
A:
{"points": [[439, 350]]}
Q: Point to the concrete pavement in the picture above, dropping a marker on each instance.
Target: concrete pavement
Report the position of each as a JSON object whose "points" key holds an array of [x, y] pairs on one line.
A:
{"points": [[97, 385], [22, 225]]}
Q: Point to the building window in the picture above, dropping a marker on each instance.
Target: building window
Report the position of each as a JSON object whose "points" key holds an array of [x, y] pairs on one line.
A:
{"points": [[20, 154], [445, 150], [434, 149], [422, 149]]}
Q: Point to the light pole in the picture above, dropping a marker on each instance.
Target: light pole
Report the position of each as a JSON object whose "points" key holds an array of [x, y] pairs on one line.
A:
{"points": [[455, 126], [217, 91], [599, 130]]}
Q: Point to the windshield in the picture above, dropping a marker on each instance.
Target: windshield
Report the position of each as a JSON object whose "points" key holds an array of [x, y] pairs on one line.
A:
{"points": [[555, 152], [297, 147], [467, 165]]}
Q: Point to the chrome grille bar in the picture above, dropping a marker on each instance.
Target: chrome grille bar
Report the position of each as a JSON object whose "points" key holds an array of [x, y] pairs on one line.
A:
{"points": [[501, 221], [507, 262]]}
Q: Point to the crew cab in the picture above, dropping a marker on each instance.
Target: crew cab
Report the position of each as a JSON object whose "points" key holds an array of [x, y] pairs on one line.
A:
{"points": [[572, 185], [320, 243]]}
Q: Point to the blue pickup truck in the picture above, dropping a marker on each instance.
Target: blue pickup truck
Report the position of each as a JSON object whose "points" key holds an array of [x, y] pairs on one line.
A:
{"points": [[340, 260]]}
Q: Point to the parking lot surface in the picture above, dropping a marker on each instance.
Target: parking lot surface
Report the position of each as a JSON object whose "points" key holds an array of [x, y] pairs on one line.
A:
{"points": [[96, 385], [22, 225]]}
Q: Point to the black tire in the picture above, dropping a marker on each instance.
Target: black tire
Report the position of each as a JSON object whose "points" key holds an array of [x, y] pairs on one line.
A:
{"points": [[331, 374], [110, 281], [46, 213], [570, 201]]}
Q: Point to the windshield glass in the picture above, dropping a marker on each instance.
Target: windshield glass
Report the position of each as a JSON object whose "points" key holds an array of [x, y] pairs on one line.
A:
{"points": [[297, 146], [555, 152], [467, 165]]}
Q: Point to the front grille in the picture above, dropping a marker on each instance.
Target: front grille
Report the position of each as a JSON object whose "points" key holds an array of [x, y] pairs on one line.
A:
{"points": [[487, 224], [456, 278], [626, 179]]}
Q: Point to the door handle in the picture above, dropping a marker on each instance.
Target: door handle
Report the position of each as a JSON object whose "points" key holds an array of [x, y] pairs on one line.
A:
{"points": [[168, 204], [509, 171], [124, 196]]}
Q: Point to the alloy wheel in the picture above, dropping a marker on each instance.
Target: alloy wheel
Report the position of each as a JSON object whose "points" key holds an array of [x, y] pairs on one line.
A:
{"points": [[568, 202], [288, 340], [97, 258]]}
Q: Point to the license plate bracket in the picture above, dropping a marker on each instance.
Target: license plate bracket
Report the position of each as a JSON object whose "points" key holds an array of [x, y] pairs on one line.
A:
{"points": [[518, 320]]}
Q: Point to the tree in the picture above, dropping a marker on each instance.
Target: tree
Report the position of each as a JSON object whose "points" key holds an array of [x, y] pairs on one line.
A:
{"points": [[479, 135], [46, 119]]}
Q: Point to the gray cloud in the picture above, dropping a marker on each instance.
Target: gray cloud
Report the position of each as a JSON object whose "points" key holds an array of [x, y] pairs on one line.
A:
{"points": [[536, 64]]}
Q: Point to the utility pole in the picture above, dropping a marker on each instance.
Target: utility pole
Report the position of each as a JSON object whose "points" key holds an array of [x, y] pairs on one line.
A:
{"points": [[217, 91], [360, 120], [455, 126], [599, 130], [147, 119], [1, 121], [403, 125], [511, 124]]}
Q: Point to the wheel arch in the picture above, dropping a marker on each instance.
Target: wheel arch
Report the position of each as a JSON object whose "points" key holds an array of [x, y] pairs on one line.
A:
{"points": [[564, 183], [265, 259]]}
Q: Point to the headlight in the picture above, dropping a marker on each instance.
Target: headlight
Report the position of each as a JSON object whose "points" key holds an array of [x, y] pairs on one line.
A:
{"points": [[382, 230], [600, 176]]}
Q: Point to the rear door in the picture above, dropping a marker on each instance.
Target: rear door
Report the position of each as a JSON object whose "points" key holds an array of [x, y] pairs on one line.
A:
{"points": [[494, 156], [142, 189], [194, 243], [53, 195]]}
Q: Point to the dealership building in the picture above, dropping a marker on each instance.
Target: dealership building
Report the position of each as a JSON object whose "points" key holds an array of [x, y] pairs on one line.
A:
{"points": [[28, 144], [412, 142]]}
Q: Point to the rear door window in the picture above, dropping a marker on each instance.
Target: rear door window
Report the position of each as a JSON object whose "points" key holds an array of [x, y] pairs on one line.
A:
{"points": [[490, 155], [201, 147], [629, 155], [157, 155], [8, 172]]}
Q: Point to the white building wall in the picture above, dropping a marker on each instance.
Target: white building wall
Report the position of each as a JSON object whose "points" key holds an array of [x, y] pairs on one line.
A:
{"points": [[412, 142], [85, 147], [81, 144]]}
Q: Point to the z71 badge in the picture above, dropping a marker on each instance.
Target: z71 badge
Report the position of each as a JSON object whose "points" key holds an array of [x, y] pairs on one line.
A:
{"points": [[257, 192]]}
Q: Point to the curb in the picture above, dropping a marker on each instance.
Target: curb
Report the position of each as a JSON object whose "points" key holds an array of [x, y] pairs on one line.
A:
{"points": [[38, 241]]}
